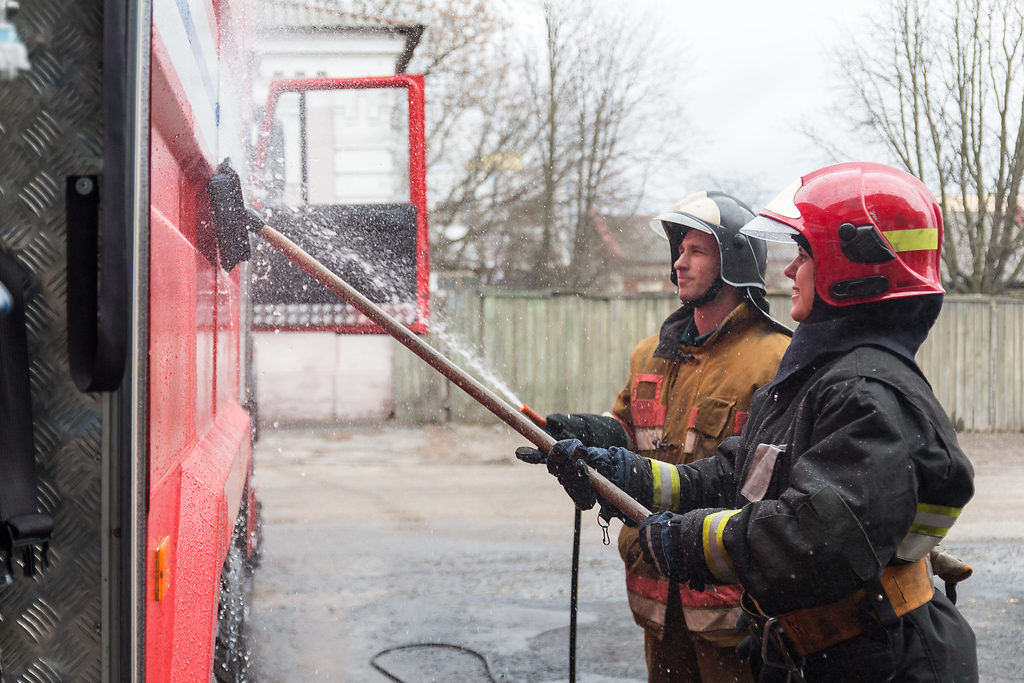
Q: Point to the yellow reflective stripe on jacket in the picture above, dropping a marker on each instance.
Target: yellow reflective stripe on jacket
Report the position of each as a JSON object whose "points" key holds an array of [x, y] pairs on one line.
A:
{"points": [[931, 524], [715, 554], [666, 486], [918, 239], [934, 520]]}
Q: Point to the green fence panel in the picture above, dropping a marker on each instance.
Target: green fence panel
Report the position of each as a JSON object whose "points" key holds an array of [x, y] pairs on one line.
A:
{"points": [[567, 352]]}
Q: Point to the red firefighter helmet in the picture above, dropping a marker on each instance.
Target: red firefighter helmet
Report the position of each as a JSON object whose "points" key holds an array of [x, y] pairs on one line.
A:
{"points": [[875, 231]]}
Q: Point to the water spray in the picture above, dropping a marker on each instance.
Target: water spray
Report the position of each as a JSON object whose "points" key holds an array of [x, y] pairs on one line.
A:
{"points": [[233, 223], [454, 343]]}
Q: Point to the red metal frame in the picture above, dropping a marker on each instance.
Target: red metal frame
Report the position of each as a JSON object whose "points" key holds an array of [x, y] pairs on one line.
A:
{"points": [[413, 83]]}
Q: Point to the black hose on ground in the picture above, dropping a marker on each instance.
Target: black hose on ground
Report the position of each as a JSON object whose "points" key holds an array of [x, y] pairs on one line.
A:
{"points": [[574, 592], [450, 646], [573, 599]]}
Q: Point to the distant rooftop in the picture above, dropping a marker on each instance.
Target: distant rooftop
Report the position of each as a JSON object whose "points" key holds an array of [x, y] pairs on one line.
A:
{"points": [[636, 242], [299, 15]]}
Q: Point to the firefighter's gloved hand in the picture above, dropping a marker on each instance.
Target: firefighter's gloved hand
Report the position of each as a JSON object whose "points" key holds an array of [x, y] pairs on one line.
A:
{"points": [[592, 430], [951, 569], [619, 465], [674, 545], [531, 455], [570, 471], [566, 461], [659, 541], [948, 567]]}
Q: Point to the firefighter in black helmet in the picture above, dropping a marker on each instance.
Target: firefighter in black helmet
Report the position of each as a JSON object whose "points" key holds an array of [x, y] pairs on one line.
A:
{"points": [[689, 387]]}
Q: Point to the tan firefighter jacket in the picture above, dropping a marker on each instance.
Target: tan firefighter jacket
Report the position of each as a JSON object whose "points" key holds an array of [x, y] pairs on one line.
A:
{"points": [[679, 403]]}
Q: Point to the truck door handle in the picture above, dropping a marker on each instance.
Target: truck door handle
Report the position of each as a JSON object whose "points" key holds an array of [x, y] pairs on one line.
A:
{"points": [[97, 289]]}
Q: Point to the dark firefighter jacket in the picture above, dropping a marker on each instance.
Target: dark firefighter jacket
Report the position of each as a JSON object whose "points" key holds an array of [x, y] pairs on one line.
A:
{"points": [[679, 403], [847, 464]]}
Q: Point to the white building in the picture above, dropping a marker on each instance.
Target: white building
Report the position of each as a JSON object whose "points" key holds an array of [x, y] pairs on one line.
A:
{"points": [[355, 153]]}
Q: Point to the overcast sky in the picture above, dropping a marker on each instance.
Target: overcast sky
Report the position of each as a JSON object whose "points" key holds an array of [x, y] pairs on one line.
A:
{"points": [[756, 71]]}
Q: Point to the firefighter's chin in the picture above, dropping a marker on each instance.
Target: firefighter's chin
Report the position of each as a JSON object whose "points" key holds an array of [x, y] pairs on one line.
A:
{"points": [[686, 290], [800, 306]]}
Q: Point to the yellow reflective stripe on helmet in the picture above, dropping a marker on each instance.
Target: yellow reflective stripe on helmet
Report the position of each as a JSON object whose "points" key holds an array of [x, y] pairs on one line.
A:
{"points": [[918, 239], [715, 554], [666, 486], [930, 525]]}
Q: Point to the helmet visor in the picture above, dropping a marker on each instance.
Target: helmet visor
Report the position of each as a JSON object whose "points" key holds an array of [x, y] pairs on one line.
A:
{"points": [[683, 220], [769, 229]]}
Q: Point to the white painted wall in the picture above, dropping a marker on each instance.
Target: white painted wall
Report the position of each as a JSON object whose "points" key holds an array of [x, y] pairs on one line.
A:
{"points": [[323, 377]]}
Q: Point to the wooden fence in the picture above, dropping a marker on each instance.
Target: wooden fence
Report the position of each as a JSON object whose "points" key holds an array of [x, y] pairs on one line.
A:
{"points": [[559, 353]]}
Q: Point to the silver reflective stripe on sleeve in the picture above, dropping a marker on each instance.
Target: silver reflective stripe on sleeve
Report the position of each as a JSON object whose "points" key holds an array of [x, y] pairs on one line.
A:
{"points": [[931, 524], [666, 486], [715, 554]]}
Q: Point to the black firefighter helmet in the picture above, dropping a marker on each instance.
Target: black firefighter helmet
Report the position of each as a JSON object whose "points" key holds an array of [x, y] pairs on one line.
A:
{"points": [[743, 259]]}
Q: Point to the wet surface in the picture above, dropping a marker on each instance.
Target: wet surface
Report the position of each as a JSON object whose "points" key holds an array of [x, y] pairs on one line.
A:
{"points": [[993, 602], [385, 537]]}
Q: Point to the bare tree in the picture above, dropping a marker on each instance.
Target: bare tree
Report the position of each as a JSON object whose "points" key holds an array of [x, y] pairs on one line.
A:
{"points": [[580, 145], [611, 103], [534, 124], [476, 120], [943, 89]]}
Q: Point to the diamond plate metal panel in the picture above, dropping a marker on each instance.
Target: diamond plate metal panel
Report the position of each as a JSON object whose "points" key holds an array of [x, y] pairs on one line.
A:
{"points": [[50, 127]]}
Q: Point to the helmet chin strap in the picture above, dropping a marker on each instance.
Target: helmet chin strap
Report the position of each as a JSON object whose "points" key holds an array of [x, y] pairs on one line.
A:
{"points": [[708, 296]]}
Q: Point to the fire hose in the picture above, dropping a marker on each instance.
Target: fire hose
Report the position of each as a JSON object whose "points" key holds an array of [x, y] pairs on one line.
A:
{"points": [[233, 222]]}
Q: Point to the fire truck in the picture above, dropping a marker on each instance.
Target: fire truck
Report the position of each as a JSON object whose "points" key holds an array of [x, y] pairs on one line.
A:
{"points": [[127, 407]]}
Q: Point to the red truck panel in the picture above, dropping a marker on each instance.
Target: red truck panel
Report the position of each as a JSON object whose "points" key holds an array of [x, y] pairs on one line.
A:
{"points": [[198, 440]]}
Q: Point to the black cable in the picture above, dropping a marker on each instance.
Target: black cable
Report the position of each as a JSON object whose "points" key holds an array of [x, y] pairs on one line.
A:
{"points": [[450, 646], [573, 594], [573, 599]]}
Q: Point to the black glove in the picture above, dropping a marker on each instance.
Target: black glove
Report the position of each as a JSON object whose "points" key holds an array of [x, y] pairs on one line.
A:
{"points": [[531, 455], [672, 544], [571, 472], [659, 541], [566, 462], [592, 430]]}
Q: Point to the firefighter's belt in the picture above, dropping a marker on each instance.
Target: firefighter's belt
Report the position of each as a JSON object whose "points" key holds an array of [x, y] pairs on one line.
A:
{"points": [[814, 629]]}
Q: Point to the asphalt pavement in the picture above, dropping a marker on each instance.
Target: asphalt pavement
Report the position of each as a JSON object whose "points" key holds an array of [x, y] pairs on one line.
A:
{"points": [[432, 554]]}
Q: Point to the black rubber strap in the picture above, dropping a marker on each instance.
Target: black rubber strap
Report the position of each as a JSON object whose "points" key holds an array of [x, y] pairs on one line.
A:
{"points": [[24, 527], [97, 291]]}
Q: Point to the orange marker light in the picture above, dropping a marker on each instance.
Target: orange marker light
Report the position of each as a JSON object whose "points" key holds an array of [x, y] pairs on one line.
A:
{"points": [[163, 567]]}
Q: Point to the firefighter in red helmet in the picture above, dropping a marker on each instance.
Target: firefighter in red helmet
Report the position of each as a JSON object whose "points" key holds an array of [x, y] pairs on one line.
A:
{"points": [[689, 387], [847, 473]]}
